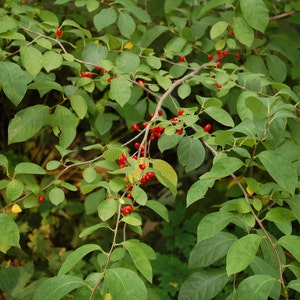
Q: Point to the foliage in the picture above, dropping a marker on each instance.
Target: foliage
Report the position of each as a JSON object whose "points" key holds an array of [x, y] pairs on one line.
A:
{"points": [[112, 111]]}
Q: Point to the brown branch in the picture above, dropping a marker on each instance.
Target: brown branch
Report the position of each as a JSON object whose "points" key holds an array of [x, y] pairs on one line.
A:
{"points": [[283, 15]]}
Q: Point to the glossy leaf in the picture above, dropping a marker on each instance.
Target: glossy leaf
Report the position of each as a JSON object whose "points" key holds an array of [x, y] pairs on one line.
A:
{"points": [[57, 287], [292, 244], [203, 285], [245, 249], [139, 258], [125, 284], [12, 236], [27, 122], [13, 81], [75, 257], [280, 168], [191, 153]]}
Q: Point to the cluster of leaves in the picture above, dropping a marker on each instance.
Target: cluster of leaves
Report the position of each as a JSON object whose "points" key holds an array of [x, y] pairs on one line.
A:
{"points": [[218, 81]]}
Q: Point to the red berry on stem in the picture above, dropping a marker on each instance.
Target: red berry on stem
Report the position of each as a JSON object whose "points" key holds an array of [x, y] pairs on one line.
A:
{"points": [[152, 137], [220, 57], [151, 116], [83, 74], [210, 56], [120, 160], [137, 145], [218, 52], [218, 85], [109, 79], [225, 53], [89, 75], [181, 58], [145, 124], [135, 127], [174, 119], [180, 112], [207, 127], [121, 166], [134, 156], [143, 180], [237, 55], [232, 32], [129, 196], [41, 198], [141, 82], [160, 112], [58, 32], [97, 68], [218, 64], [142, 166], [179, 131]]}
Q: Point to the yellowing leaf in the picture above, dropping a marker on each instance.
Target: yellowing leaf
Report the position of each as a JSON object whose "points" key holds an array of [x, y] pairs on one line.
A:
{"points": [[128, 45], [249, 191], [138, 172], [16, 209], [108, 297]]}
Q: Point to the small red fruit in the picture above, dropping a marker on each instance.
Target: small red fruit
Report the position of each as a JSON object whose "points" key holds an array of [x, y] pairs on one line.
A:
{"points": [[127, 209], [129, 196], [142, 166], [152, 137], [218, 52], [237, 55], [181, 58], [232, 32], [134, 156], [121, 166], [141, 82], [151, 116], [220, 56], [41, 198], [97, 68], [89, 75], [135, 127], [218, 64], [158, 135], [225, 53], [160, 112], [109, 79], [145, 124], [180, 112], [120, 160], [218, 85], [207, 127], [137, 145], [210, 56], [179, 131], [58, 32], [175, 119], [83, 74], [143, 180]]}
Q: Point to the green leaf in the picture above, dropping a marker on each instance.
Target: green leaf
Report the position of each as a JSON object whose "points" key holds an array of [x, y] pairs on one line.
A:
{"points": [[166, 175], [94, 53], [280, 169], [255, 13], [210, 250], [56, 195], [212, 224], [104, 122], [184, 91], [218, 29], [53, 165], [152, 34], [126, 24], [295, 285], [52, 60], [256, 287], [125, 284], [27, 123], [120, 90], [220, 115], [57, 287], [212, 4], [79, 105], [277, 68], [279, 214], [154, 62], [242, 31], [89, 174], [104, 18], [244, 249], [3, 162], [292, 244], [139, 195], [13, 81], [139, 258], [191, 153], [128, 62], [198, 190], [65, 122], [29, 168], [159, 208], [203, 285], [76, 256], [171, 5], [10, 233], [14, 189], [223, 167], [91, 229], [107, 209], [32, 59], [294, 204], [133, 220], [7, 23]]}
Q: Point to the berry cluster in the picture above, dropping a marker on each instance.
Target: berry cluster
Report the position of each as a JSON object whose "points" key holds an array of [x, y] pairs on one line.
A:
{"points": [[127, 209], [220, 55]]}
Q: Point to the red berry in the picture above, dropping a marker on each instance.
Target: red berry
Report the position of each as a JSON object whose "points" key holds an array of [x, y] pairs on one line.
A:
{"points": [[143, 180], [141, 82], [109, 79], [175, 119], [89, 75], [160, 112], [58, 32], [151, 174], [179, 131], [135, 127], [152, 137], [120, 160], [142, 166], [237, 55], [180, 112], [134, 156], [218, 64], [151, 116], [83, 74], [129, 196], [121, 166], [181, 58], [218, 85], [124, 156], [210, 56], [127, 209], [137, 145], [207, 127], [104, 72], [220, 57], [158, 135], [218, 52], [232, 32], [145, 124], [41, 198], [225, 53], [97, 68]]}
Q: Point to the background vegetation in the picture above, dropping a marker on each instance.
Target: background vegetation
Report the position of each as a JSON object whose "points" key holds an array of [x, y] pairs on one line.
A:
{"points": [[149, 149]]}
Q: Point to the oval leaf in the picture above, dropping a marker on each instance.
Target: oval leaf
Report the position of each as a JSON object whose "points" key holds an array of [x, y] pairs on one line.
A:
{"points": [[11, 236], [220, 115], [159, 208], [29, 168], [56, 196]]}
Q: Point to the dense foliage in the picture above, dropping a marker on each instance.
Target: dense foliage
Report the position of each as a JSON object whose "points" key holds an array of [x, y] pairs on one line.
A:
{"points": [[150, 149]]}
